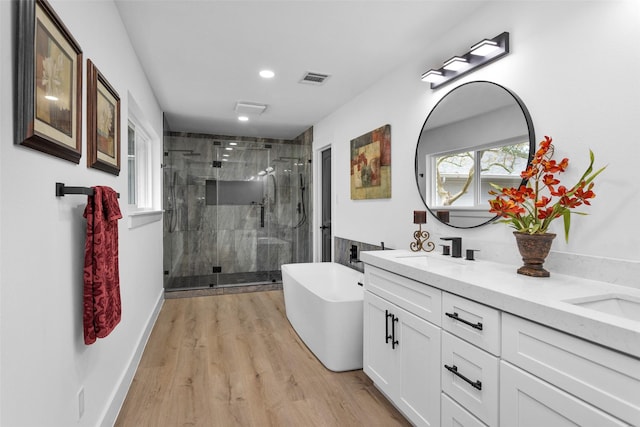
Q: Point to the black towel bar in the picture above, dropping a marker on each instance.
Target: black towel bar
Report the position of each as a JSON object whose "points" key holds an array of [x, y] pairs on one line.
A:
{"points": [[62, 189]]}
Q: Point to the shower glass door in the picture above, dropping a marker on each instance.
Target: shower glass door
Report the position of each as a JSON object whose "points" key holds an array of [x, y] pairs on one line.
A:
{"points": [[235, 211], [243, 201]]}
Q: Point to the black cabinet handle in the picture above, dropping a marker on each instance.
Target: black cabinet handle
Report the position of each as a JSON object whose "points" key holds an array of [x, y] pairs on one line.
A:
{"points": [[386, 326], [394, 341], [454, 316], [454, 370]]}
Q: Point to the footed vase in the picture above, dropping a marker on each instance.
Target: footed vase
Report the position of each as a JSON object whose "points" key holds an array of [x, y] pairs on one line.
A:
{"points": [[534, 249]]}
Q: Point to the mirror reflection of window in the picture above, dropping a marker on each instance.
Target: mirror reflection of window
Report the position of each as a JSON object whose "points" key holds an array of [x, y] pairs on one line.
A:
{"points": [[454, 175], [456, 183]]}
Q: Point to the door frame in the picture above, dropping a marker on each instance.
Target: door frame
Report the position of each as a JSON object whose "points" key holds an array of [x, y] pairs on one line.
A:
{"points": [[317, 190]]}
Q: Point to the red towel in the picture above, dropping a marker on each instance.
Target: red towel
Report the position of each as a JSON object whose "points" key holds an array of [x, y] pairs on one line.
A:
{"points": [[102, 307]]}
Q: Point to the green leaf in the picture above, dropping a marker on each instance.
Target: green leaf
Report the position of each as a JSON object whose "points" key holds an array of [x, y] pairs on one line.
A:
{"points": [[566, 216]]}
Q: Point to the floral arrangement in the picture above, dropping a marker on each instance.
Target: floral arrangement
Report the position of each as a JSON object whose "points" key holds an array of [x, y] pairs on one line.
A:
{"points": [[531, 208]]}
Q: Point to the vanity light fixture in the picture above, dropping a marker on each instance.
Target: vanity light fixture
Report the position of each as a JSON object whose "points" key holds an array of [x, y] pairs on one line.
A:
{"points": [[484, 48], [480, 54], [432, 76], [456, 63]]}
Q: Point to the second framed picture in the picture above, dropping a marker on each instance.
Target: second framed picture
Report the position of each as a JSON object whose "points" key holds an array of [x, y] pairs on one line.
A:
{"points": [[103, 123]]}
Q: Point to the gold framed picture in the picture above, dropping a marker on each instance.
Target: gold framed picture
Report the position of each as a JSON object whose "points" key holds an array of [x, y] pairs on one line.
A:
{"points": [[49, 79], [103, 122]]}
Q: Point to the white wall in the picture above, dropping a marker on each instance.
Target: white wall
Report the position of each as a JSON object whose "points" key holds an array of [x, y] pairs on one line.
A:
{"points": [[574, 65], [44, 360]]}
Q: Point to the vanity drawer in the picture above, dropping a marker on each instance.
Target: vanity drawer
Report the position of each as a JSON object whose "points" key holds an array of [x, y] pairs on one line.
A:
{"points": [[474, 322], [453, 414], [422, 300], [602, 377], [478, 393]]}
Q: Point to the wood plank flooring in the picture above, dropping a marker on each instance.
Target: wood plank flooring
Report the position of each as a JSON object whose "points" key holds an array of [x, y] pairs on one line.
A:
{"points": [[234, 360]]}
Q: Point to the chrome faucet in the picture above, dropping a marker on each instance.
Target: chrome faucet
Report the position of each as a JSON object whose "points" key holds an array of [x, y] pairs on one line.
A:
{"points": [[456, 246]]}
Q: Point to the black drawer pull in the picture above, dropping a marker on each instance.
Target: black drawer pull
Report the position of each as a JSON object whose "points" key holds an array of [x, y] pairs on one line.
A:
{"points": [[394, 341], [454, 370], [454, 316], [386, 326]]}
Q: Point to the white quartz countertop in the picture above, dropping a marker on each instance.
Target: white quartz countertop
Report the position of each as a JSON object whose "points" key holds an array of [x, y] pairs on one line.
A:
{"points": [[542, 300]]}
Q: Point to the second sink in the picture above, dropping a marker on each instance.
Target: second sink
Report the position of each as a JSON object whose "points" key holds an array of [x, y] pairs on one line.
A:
{"points": [[615, 304]]}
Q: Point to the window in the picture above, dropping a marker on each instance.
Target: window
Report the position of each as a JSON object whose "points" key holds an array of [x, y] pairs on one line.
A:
{"points": [[139, 159], [456, 182]]}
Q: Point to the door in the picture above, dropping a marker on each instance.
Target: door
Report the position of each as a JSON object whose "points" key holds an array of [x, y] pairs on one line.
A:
{"points": [[326, 205], [419, 390], [379, 360]]}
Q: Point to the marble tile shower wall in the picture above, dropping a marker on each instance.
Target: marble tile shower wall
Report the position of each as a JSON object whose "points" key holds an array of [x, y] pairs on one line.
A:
{"points": [[199, 236]]}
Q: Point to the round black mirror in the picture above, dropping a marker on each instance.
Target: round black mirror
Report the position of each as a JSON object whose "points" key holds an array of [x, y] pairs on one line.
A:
{"points": [[478, 134]]}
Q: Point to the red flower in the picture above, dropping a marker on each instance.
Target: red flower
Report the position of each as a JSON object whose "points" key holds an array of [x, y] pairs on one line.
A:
{"points": [[560, 192], [505, 207], [550, 180], [544, 201], [529, 173], [545, 213]]}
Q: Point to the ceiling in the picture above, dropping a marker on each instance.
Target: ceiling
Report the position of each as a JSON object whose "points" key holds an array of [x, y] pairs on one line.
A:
{"points": [[202, 57]]}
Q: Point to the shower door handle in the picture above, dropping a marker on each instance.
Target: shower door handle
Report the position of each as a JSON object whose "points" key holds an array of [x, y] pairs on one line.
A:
{"points": [[262, 215]]}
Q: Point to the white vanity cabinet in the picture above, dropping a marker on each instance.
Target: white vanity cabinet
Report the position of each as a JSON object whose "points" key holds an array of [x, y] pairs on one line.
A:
{"points": [[493, 367], [401, 345]]}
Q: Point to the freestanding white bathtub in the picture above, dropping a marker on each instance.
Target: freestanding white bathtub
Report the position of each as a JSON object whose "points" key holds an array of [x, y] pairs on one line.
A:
{"points": [[324, 304]]}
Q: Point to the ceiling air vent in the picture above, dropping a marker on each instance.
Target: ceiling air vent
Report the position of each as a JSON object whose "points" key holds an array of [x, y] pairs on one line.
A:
{"points": [[314, 78], [251, 108]]}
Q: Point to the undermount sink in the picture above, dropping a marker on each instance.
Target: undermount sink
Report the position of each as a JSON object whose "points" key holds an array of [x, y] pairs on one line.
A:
{"points": [[615, 304]]}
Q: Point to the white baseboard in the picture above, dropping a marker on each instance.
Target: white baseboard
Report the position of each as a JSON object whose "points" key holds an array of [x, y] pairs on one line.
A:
{"points": [[111, 414]]}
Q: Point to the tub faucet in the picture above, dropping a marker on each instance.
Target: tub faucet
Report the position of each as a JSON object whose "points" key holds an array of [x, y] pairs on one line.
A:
{"points": [[353, 254], [456, 246]]}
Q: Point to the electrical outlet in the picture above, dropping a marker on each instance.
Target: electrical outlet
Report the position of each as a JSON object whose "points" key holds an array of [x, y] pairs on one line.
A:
{"points": [[80, 402]]}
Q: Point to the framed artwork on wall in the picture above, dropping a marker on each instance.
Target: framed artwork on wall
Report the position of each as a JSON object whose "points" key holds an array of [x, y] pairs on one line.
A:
{"points": [[103, 122], [49, 83], [371, 165]]}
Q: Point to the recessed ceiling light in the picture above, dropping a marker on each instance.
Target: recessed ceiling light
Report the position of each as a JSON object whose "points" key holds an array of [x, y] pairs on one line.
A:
{"points": [[225, 155], [267, 74], [228, 148], [233, 143], [243, 118]]}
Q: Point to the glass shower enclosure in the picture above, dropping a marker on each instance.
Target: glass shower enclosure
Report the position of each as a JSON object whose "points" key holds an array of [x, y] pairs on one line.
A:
{"points": [[236, 209]]}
